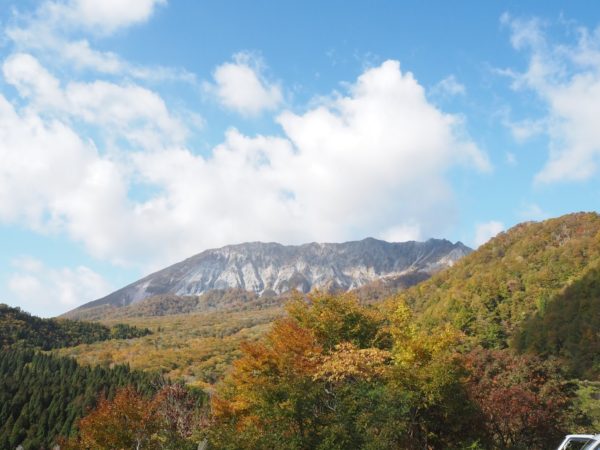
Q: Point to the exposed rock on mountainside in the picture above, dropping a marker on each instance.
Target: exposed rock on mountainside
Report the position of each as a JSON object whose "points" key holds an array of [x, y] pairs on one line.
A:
{"points": [[270, 268]]}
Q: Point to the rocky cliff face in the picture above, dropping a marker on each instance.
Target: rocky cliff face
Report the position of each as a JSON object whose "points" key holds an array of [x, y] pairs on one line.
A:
{"points": [[275, 268]]}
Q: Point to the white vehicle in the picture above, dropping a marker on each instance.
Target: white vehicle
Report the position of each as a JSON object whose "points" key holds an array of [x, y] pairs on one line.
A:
{"points": [[581, 442]]}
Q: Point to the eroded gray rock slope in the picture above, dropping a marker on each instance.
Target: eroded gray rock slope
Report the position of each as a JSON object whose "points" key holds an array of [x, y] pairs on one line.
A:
{"points": [[272, 267]]}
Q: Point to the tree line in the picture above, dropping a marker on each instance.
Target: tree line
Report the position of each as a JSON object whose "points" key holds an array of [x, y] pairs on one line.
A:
{"points": [[21, 329]]}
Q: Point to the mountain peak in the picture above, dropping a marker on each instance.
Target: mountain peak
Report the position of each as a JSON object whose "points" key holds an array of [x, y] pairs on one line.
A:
{"points": [[272, 267]]}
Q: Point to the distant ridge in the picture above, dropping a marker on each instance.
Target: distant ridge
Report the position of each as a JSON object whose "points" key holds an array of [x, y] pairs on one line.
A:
{"points": [[272, 268]]}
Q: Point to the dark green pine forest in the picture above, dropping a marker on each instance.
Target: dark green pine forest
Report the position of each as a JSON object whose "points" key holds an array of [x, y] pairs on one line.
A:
{"points": [[43, 396]]}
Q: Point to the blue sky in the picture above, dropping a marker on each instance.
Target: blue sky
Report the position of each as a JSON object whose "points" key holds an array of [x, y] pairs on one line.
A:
{"points": [[135, 134]]}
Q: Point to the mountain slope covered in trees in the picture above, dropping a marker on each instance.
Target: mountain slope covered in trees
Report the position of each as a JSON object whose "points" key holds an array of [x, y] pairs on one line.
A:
{"points": [[534, 287], [19, 328], [43, 396], [334, 374], [568, 326]]}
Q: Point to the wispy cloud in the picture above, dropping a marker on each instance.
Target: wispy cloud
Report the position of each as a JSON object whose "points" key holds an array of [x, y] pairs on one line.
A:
{"points": [[449, 86], [51, 291], [58, 30], [485, 231], [566, 77]]}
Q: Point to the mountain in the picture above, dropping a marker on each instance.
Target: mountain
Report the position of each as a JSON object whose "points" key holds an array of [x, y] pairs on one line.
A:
{"points": [[535, 287], [272, 269]]}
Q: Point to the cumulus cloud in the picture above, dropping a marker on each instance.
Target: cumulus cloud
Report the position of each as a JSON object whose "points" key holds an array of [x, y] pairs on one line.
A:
{"points": [[110, 15], [347, 168], [41, 161], [485, 231], [241, 86], [566, 77], [50, 291]]}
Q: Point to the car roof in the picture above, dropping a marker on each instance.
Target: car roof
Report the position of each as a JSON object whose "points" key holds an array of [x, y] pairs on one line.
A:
{"points": [[584, 436]]}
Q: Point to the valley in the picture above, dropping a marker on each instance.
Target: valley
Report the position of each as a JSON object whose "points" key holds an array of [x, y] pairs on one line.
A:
{"points": [[197, 348]]}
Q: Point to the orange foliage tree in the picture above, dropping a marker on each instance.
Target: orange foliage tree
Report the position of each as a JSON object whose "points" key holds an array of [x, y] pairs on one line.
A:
{"points": [[126, 422], [130, 421]]}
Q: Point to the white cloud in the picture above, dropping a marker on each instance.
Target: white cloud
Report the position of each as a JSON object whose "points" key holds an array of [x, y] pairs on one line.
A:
{"points": [[49, 291], [110, 15], [53, 31], [138, 113], [485, 231], [129, 110], [100, 16], [449, 86], [80, 55], [347, 168], [526, 129], [567, 79], [403, 233], [32, 80], [41, 162], [241, 86]]}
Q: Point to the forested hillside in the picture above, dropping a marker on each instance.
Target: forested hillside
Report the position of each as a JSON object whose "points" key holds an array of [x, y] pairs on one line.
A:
{"points": [[568, 326], [534, 287], [334, 374], [43, 396], [482, 356], [21, 329]]}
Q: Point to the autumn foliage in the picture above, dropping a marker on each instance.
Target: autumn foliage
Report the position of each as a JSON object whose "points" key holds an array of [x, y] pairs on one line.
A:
{"points": [[130, 421], [334, 374], [523, 400], [338, 375]]}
